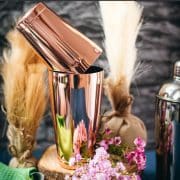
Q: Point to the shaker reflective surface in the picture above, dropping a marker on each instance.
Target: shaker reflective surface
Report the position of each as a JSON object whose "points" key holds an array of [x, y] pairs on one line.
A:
{"points": [[75, 103], [62, 47], [167, 129]]}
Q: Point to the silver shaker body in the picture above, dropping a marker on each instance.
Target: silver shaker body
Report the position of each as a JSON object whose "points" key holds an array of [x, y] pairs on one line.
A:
{"points": [[167, 129]]}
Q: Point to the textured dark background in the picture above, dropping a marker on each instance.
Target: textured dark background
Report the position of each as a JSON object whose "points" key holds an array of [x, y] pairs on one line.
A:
{"points": [[158, 45]]}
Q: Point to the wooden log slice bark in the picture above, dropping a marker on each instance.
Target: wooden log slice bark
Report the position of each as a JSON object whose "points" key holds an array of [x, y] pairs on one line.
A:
{"points": [[50, 166]]}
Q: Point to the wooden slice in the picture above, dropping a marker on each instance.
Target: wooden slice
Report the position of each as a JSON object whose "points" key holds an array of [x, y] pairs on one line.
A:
{"points": [[50, 166]]}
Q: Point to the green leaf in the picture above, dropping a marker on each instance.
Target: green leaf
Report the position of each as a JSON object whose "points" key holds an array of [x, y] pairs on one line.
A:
{"points": [[65, 140], [60, 120]]}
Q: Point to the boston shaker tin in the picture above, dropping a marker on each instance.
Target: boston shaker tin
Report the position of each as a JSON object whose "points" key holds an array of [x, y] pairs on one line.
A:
{"points": [[75, 104], [62, 47]]}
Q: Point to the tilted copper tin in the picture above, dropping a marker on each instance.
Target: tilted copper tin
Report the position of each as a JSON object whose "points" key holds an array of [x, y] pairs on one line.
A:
{"points": [[61, 46], [75, 104]]}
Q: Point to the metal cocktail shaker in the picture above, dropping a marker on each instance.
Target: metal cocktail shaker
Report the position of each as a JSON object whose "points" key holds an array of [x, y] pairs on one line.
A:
{"points": [[75, 86], [62, 47], [167, 128], [75, 104]]}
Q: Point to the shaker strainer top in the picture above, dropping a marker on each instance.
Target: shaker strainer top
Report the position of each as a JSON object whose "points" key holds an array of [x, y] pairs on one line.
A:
{"points": [[170, 91]]}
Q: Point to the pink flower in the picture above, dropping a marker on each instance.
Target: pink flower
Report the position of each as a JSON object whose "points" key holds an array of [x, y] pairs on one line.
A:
{"points": [[129, 156], [104, 144], [78, 157], [92, 171], [137, 157], [139, 142], [101, 153], [100, 168], [128, 177], [101, 176], [72, 161], [117, 140], [75, 178], [111, 141], [120, 166], [80, 136], [140, 160], [108, 131]]}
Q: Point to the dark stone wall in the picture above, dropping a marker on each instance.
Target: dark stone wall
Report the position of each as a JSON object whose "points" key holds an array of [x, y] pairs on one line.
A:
{"points": [[158, 45]]}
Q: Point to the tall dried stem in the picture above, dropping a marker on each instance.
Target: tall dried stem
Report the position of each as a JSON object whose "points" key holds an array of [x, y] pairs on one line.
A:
{"points": [[25, 97]]}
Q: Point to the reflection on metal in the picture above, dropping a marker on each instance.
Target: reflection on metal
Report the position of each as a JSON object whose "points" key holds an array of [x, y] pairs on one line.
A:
{"points": [[167, 129], [62, 47], [75, 102]]}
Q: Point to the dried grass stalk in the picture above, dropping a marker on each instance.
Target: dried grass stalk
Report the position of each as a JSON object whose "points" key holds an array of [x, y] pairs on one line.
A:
{"points": [[121, 22], [25, 97]]}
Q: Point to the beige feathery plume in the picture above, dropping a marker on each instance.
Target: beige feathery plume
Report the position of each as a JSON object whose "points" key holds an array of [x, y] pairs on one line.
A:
{"points": [[121, 23], [25, 97]]}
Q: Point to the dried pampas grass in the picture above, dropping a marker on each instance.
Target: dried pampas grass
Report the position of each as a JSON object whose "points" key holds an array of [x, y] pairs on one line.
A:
{"points": [[25, 97], [121, 22]]}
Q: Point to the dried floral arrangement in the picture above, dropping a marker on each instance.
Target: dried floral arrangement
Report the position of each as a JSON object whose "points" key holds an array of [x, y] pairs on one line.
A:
{"points": [[120, 152], [121, 22], [25, 97]]}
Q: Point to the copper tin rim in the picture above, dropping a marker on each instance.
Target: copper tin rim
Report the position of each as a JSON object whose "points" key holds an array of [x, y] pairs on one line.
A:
{"points": [[63, 47], [90, 70]]}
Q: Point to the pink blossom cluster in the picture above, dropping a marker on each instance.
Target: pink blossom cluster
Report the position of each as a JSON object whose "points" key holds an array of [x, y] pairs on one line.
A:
{"points": [[106, 142], [73, 160], [80, 136], [138, 155], [100, 168]]}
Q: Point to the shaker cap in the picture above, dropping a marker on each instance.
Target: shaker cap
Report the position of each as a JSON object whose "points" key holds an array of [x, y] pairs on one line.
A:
{"points": [[62, 47], [170, 91]]}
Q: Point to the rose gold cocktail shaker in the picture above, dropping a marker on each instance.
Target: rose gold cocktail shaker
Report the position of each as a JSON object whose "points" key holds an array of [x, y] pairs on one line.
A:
{"points": [[75, 85], [75, 106], [62, 47]]}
